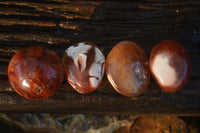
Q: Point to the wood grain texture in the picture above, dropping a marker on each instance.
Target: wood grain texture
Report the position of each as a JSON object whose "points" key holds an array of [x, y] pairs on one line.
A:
{"points": [[58, 24]]}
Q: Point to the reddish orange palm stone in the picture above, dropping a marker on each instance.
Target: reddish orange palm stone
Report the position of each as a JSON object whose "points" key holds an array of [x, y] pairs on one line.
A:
{"points": [[127, 69], [35, 72], [170, 65], [84, 66]]}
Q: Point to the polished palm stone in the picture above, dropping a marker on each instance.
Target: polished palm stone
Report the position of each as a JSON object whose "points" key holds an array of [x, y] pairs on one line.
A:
{"points": [[35, 72], [170, 65], [84, 66], [127, 69]]}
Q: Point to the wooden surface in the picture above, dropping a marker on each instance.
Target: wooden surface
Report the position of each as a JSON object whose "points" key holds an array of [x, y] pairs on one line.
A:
{"points": [[58, 24]]}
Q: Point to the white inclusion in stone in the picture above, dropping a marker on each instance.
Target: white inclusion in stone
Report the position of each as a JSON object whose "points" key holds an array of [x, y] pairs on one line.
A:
{"points": [[24, 83], [97, 68], [79, 54], [163, 71]]}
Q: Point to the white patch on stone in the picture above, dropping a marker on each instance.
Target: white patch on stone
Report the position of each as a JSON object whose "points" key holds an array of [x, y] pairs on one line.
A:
{"points": [[24, 83], [78, 53], [139, 75], [164, 72], [96, 68], [82, 58]]}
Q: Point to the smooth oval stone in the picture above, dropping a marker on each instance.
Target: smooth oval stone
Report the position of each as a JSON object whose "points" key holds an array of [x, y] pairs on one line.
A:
{"points": [[35, 72], [170, 65], [127, 69], [84, 66]]}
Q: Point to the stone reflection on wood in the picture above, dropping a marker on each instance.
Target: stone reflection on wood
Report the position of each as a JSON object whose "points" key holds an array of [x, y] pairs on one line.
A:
{"points": [[84, 66], [127, 69], [170, 65], [35, 72]]}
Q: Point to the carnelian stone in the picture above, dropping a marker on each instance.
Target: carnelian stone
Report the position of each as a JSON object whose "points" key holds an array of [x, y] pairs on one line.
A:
{"points": [[170, 65], [35, 72], [84, 66], [127, 69]]}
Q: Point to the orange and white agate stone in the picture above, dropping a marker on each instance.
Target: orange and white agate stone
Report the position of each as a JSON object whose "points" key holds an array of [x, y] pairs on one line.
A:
{"points": [[170, 65], [84, 66], [127, 69]]}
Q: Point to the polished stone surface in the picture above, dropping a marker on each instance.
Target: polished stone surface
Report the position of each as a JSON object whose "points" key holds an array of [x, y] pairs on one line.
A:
{"points": [[170, 65], [127, 69], [84, 66], [35, 72]]}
